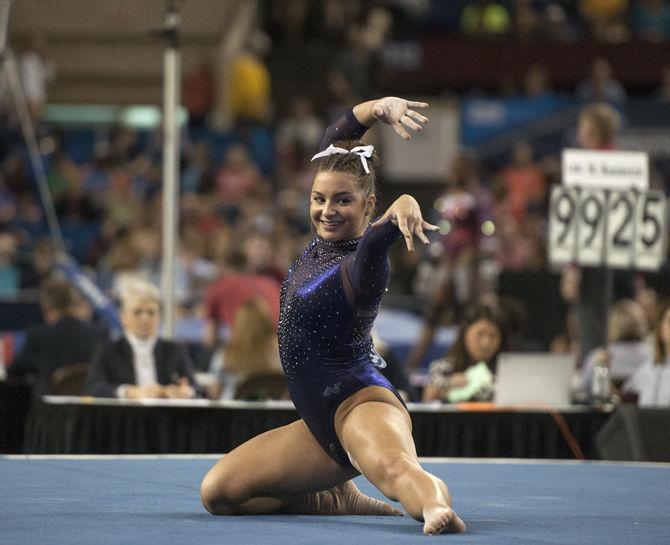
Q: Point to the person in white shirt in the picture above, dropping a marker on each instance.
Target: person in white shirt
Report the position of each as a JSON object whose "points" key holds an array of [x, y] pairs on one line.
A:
{"points": [[140, 364], [650, 383]]}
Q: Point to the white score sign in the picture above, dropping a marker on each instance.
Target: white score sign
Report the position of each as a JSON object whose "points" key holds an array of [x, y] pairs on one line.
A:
{"points": [[603, 215], [605, 169]]}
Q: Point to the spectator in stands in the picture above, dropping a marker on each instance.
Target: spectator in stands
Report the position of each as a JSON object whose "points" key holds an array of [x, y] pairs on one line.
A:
{"points": [[536, 82], [259, 255], [450, 281], [651, 20], [74, 204], [252, 350], [123, 206], [198, 92], [144, 242], [41, 265], [341, 93], [250, 83], [466, 373], [649, 385], [121, 261], [626, 350], [7, 203], [526, 20], [225, 296], [289, 21], [10, 271], [606, 19], [519, 247], [601, 86], [556, 24], [524, 184], [485, 18], [300, 130], [140, 364], [36, 70], [464, 206], [193, 272], [338, 16], [238, 180], [198, 173], [359, 62], [63, 340]]}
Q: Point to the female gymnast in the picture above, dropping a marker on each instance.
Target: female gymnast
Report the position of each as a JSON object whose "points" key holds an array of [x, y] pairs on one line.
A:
{"points": [[352, 419]]}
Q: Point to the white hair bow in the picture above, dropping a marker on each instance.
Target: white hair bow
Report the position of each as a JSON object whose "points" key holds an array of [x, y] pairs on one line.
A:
{"points": [[364, 152]]}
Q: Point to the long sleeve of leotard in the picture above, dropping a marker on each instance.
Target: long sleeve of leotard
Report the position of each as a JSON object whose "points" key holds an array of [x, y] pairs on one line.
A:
{"points": [[367, 269], [346, 127]]}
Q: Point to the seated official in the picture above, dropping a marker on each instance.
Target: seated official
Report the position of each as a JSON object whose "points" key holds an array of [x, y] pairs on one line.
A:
{"points": [[66, 338], [140, 364]]}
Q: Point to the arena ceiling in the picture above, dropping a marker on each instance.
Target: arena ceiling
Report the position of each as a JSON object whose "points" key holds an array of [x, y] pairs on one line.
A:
{"points": [[108, 51]]}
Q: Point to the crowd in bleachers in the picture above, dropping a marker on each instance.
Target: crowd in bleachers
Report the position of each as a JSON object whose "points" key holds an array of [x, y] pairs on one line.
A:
{"points": [[243, 203]]}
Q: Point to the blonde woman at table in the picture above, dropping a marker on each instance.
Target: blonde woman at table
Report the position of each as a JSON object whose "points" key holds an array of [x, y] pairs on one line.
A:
{"points": [[353, 420], [140, 364]]}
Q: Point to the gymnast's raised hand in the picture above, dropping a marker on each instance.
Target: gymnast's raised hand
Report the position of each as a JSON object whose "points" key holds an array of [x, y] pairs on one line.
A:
{"points": [[398, 113], [406, 214]]}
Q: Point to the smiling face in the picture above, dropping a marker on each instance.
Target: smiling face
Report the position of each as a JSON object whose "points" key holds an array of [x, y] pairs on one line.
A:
{"points": [[338, 208]]}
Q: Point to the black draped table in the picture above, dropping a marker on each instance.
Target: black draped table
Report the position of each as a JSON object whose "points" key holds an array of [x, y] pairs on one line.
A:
{"points": [[14, 404], [74, 425]]}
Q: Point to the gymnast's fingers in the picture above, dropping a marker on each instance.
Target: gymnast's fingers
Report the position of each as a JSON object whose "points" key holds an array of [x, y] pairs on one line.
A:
{"points": [[401, 131], [404, 229], [408, 122], [428, 226], [414, 104], [417, 116], [418, 231]]}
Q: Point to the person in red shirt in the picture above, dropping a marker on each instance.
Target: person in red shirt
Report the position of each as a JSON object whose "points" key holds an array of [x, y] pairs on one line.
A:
{"points": [[226, 296]]}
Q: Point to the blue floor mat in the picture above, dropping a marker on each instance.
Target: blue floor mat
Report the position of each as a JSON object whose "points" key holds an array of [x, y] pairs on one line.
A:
{"points": [[140, 501]]}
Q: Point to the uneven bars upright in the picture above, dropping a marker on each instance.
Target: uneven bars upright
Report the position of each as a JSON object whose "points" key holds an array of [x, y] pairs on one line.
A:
{"points": [[171, 66]]}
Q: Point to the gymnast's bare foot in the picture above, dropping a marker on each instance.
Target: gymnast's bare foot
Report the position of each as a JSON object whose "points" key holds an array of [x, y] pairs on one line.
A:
{"points": [[441, 520], [344, 499]]}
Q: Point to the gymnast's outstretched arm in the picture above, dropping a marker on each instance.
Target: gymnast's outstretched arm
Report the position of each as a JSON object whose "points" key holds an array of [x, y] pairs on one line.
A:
{"points": [[368, 267], [394, 111]]}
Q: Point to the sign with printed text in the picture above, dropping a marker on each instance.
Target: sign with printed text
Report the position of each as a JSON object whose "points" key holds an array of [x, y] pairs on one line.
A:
{"points": [[605, 169], [604, 215]]}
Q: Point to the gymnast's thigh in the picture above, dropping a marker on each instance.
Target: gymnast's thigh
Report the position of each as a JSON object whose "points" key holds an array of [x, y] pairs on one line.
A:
{"points": [[281, 462]]}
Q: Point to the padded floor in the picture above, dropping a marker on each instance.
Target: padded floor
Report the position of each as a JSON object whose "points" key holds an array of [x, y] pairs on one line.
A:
{"points": [[136, 500]]}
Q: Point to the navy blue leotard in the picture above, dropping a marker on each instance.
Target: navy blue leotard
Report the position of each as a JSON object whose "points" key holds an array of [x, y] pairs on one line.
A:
{"points": [[329, 301]]}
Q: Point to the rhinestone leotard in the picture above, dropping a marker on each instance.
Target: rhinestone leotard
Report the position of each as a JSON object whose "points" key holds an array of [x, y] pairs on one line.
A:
{"points": [[329, 302]]}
